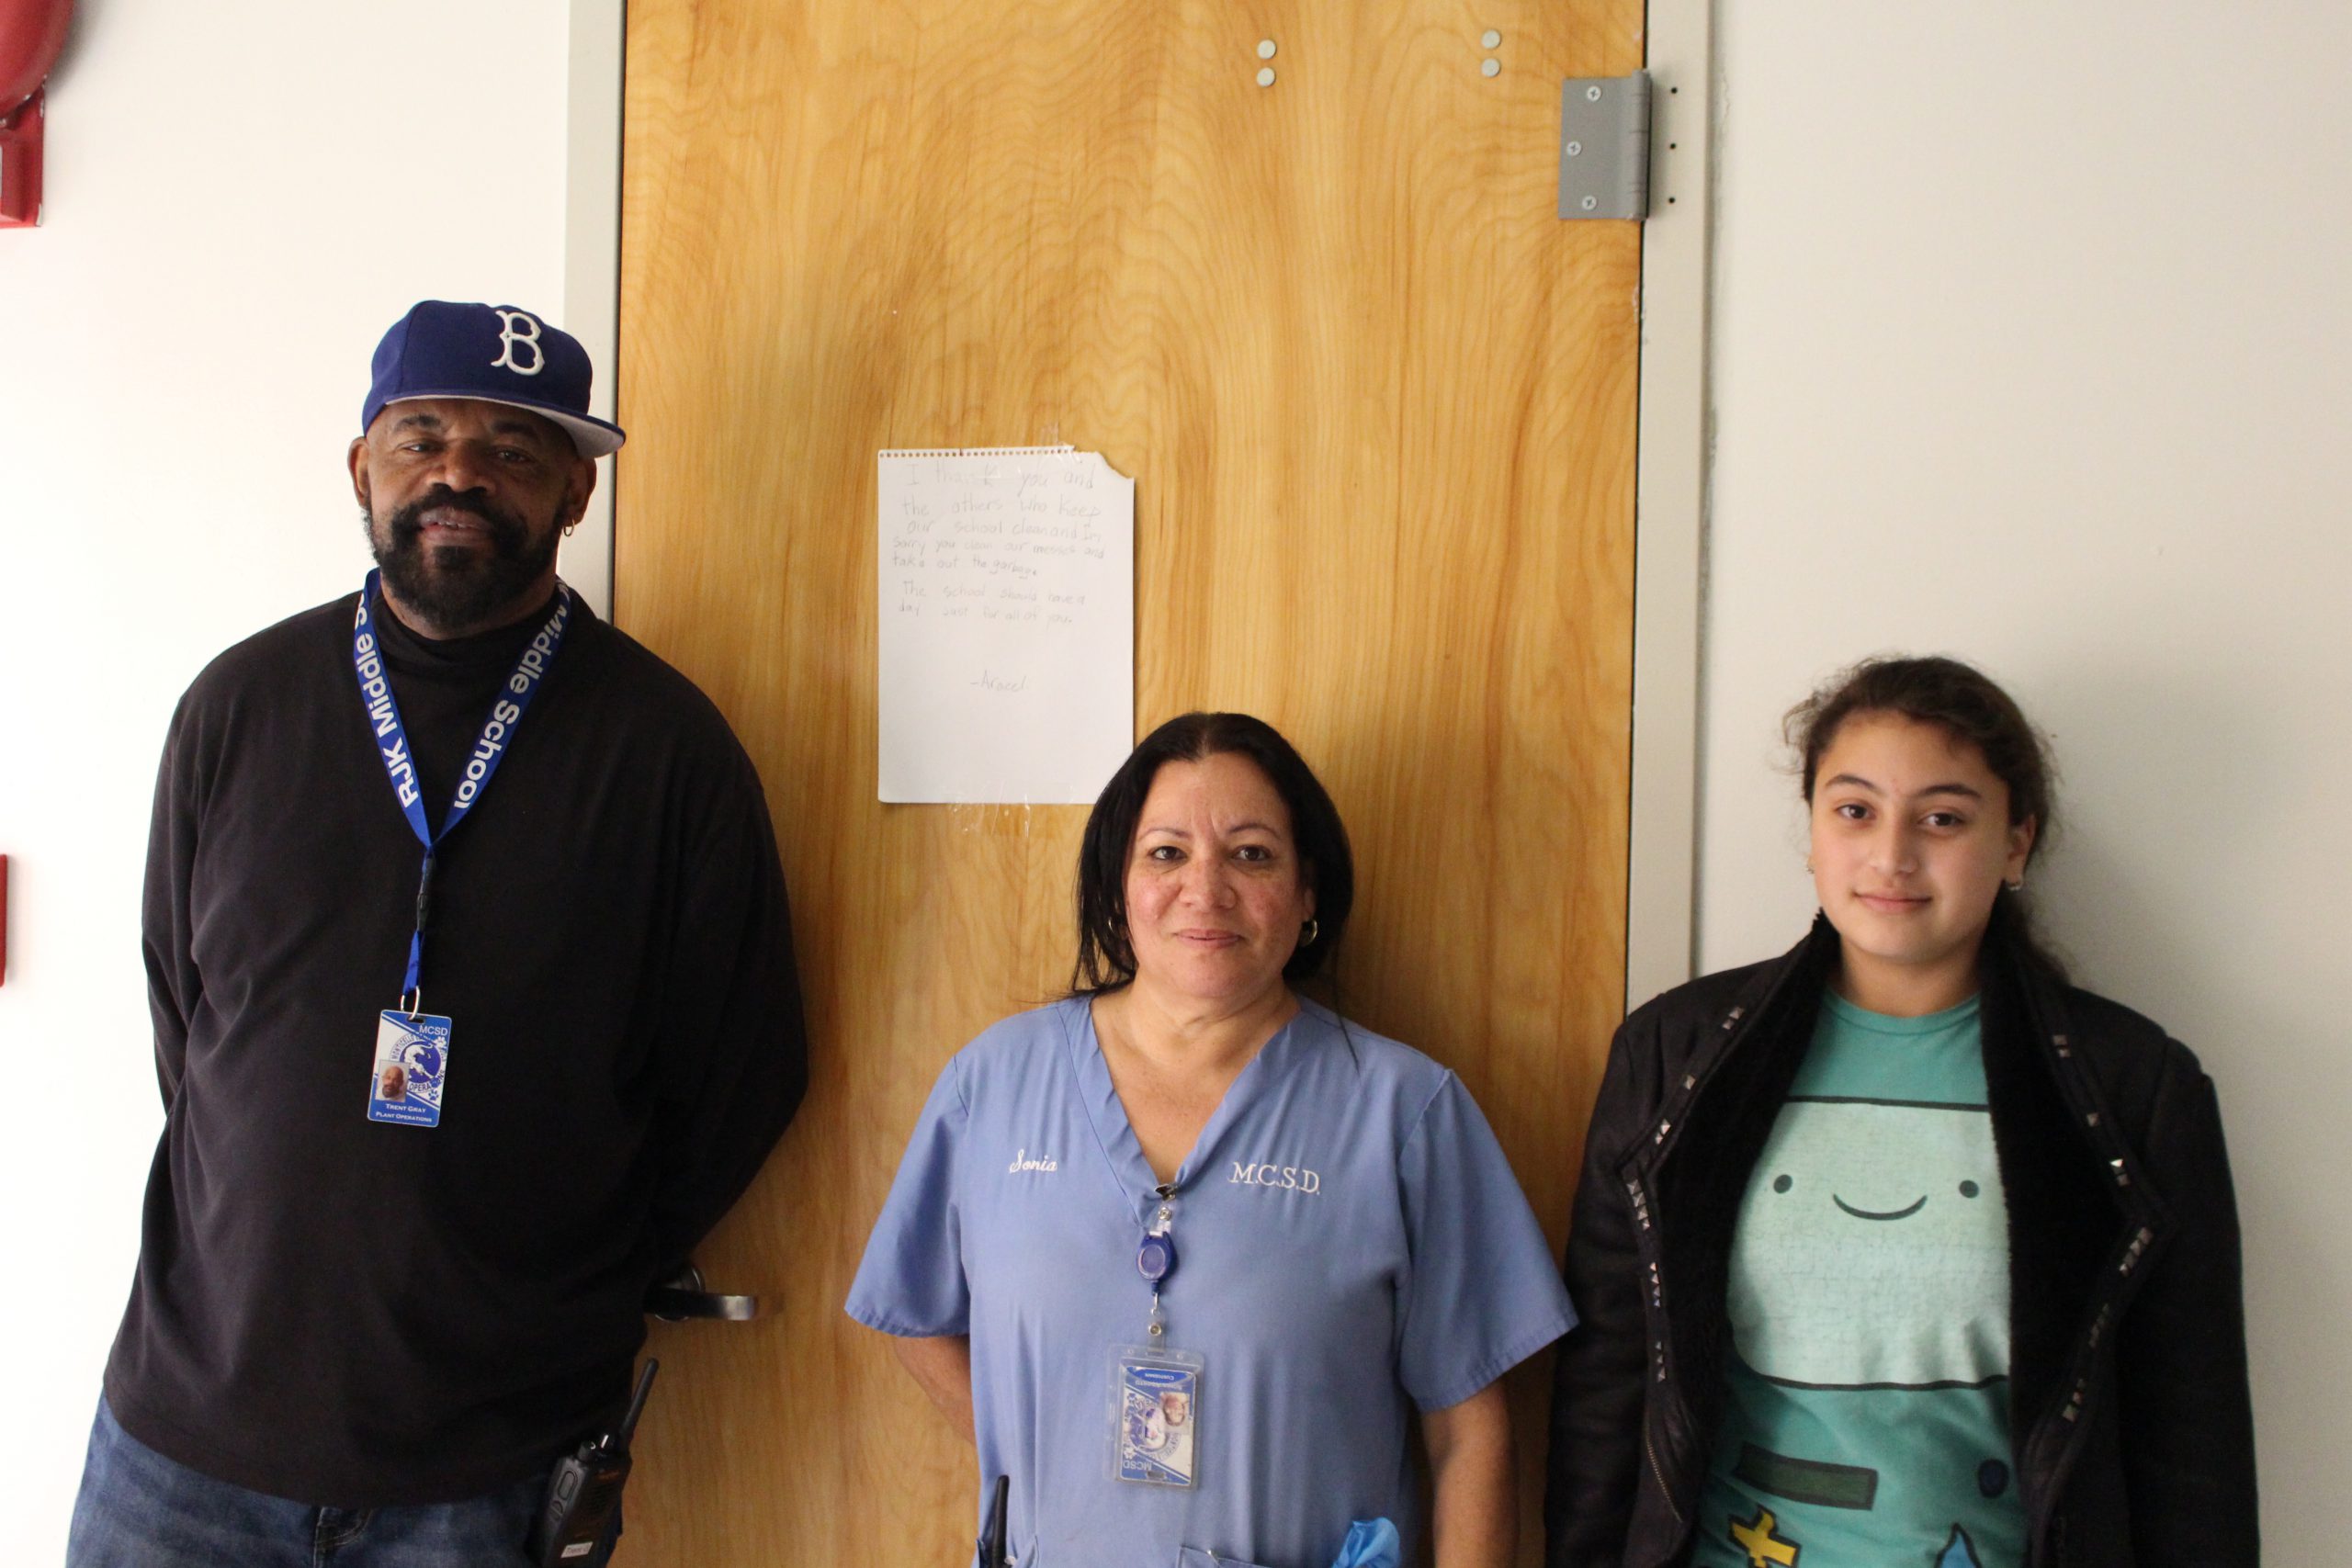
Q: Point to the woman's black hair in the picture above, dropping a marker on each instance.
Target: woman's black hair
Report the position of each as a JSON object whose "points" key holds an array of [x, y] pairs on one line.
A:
{"points": [[1106, 960], [1968, 706]]}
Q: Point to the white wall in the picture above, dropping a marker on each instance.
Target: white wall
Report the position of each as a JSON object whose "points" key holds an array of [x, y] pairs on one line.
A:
{"points": [[241, 197], [2032, 344]]}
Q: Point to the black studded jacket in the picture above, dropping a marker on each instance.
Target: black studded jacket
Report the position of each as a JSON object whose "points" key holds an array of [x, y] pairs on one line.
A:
{"points": [[2130, 1417]]}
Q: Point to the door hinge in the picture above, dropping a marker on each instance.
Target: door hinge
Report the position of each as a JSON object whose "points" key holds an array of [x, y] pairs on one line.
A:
{"points": [[1605, 146]]}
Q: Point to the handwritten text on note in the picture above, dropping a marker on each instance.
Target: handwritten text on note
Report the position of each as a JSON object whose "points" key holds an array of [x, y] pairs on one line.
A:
{"points": [[1006, 593]]}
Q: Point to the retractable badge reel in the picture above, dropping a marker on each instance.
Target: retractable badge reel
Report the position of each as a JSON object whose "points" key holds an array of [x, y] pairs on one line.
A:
{"points": [[1155, 1390]]}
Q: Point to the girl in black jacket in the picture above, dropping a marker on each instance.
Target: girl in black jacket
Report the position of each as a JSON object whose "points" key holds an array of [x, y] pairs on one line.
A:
{"points": [[1898, 1249]]}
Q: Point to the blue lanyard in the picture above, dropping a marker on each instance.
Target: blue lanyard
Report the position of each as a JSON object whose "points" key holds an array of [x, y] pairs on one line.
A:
{"points": [[400, 764]]}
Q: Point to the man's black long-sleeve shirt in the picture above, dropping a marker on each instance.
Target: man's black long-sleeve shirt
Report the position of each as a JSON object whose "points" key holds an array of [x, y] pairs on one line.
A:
{"points": [[359, 1313]]}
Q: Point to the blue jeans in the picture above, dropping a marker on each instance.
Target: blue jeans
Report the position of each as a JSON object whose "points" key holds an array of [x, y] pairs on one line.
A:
{"points": [[138, 1510]]}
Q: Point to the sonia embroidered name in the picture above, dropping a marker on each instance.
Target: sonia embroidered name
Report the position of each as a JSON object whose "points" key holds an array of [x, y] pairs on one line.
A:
{"points": [[1022, 1162]]}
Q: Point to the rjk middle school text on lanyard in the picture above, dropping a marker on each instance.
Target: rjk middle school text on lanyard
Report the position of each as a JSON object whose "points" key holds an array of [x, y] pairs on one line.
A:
{"points": [[411, 1065]]}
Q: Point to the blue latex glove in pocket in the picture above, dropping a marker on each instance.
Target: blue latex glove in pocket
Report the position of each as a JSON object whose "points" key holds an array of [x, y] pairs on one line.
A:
{"points": [[1371, 1544]]}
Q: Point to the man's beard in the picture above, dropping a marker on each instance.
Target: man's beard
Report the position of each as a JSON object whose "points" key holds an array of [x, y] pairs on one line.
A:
{"points": [[450, 587]]}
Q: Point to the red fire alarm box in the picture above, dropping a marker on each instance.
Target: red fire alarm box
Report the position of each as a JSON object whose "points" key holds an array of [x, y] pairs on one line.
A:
{"points": [[20, 163], [32, 35]]}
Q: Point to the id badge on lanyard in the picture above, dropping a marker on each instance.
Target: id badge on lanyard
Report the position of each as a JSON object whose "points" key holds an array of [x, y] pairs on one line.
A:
{"points": [[1155, 1390], [410, 1066]]}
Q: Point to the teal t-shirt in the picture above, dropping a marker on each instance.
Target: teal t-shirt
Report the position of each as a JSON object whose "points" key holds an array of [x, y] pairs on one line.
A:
{"points": [[1866, 1394]]}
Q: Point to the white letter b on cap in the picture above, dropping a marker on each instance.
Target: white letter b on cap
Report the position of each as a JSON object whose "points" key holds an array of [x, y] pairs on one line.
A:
{"points": [[520, 332]]}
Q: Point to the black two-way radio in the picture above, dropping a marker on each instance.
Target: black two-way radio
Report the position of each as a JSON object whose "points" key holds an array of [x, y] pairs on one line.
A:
{"points": [[585, 1491]]}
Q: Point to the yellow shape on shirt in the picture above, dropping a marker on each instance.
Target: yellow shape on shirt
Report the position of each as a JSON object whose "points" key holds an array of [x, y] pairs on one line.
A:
{"points": [[1765, 1547]]}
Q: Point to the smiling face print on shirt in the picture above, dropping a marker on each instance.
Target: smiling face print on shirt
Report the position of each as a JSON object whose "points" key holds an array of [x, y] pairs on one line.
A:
{"points": [[1866, 1400], [1874, 1235]]}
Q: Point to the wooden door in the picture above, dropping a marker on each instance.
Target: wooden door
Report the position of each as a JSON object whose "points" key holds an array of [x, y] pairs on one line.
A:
{"points": [[1379, 403]]}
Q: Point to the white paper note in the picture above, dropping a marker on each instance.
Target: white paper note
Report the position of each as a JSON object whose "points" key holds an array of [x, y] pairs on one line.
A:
{"points": [[1007, 617]]}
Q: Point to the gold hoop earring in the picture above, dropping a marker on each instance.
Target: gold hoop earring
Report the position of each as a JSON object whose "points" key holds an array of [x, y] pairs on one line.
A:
{"points": [[1309, 931]]}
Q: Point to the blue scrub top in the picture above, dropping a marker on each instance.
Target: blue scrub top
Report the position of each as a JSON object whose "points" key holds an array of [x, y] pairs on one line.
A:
{"points": [[1349, 1238]]}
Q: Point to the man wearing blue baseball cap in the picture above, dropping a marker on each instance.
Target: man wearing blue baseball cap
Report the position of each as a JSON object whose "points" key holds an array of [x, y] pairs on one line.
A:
{"points": [[475, 1007], [486, 379]]}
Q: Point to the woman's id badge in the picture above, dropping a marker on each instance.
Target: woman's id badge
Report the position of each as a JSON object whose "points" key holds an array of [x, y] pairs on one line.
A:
{"points": [[412, 1065], [1155, 1416]]}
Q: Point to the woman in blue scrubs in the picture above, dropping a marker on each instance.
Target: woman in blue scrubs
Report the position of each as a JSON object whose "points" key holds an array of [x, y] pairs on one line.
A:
{"points": [[1182, 1252]]}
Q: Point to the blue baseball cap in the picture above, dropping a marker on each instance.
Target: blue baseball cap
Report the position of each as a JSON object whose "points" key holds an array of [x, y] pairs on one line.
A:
{"points": [[495, 353]]}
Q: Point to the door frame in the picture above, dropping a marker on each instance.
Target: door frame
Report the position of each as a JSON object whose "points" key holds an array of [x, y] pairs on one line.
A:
{"points": [[592, 258], [1670, 434]]}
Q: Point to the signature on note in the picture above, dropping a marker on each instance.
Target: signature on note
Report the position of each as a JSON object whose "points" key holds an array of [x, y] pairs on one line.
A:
{"points": [[989, 681]]}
